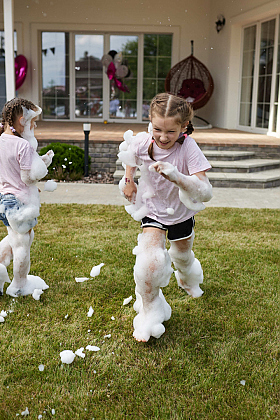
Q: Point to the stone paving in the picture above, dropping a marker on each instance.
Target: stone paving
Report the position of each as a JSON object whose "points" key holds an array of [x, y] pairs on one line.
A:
{"points": [[109, 194]]}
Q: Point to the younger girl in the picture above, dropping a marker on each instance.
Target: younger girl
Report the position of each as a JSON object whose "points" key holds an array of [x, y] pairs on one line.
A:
{"points": [[171, 190], [20, 168]]}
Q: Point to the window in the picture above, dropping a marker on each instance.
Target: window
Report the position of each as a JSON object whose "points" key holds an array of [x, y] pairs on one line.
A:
{"points": [[80, 89], [276, 112], [249, 51], [157, 63], [55, 75], [88, 76], [259, 97], [124, 104]]}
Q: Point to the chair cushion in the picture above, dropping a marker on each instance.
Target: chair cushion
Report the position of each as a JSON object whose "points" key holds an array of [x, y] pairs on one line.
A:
{"points": [[192, 88]]}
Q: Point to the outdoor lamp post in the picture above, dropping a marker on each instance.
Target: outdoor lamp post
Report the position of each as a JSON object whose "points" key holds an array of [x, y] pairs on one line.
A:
{"points": [[86, 128]]}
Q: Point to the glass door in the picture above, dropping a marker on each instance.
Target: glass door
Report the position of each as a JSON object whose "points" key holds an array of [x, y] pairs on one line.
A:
{"points": [[88, 76], [265, 73], [259, 95], [124, 71]]}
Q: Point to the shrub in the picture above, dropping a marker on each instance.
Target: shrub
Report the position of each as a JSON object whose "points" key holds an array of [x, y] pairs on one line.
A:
{"points": [[68, 161]]}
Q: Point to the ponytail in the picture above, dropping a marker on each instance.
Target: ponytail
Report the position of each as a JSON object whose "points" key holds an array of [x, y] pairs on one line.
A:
{"points": [[150, 150]]}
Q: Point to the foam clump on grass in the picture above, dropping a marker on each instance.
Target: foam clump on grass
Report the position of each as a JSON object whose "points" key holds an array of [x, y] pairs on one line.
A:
{"points": [[67, 356], [95, 271], [25, 412], [37, 293], [92, 348], [127, 300], [80, 353], [81, 279], [90, 311]]}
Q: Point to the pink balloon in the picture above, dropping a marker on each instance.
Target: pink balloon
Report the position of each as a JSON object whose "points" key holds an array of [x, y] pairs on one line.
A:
{"points": [[20, 70], [111, 71]]}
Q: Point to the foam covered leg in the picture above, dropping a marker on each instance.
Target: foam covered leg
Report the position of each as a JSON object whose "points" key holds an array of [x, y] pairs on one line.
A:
{"points": [[152, 270], [4, 277], [189, 273], [22, 284], [6, 253]]}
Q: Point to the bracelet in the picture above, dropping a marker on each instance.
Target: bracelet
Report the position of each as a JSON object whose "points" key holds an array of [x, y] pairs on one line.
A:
{"points": [[127, 181]]}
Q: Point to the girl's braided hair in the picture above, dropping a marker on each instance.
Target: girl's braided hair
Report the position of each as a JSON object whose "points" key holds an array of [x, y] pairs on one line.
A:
{"points": [[12, 110], [166, 105]]}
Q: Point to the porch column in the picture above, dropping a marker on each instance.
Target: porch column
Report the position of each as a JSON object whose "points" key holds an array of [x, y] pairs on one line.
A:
{"points": [[8, 6]]}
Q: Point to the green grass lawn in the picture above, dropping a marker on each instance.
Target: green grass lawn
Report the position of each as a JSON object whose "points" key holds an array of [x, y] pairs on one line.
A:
{"points": [[194, 371]]}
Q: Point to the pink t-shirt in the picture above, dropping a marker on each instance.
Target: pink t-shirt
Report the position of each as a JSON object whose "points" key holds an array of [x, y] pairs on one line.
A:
{"points": [[189, 160], [15, 155]]}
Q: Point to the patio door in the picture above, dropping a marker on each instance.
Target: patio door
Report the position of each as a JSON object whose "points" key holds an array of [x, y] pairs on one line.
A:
{"points": [[76, 85], [259, 98]]}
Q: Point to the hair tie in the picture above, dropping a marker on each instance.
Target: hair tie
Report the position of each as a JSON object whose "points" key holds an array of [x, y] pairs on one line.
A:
{"points": [[153, 140], [1, 125], [13, 129]]}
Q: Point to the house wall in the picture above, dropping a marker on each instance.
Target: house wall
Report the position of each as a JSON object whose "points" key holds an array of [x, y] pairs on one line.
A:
{"points": [[220, 52], [188, 19], [225, 55]]}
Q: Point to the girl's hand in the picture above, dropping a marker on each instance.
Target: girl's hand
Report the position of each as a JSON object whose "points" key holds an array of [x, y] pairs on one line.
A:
{"points": [[167, 170], [130, 191]]}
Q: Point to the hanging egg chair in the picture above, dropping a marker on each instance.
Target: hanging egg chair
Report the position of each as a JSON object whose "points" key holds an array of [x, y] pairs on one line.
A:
{"points": [[192, 80]]}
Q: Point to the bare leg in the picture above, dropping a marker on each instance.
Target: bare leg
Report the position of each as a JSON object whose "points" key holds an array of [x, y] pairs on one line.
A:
{"points": [[152, 270], [189, 273]]}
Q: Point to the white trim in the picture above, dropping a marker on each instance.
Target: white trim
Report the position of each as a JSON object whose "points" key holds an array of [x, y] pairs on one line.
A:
{"points": [[8, 11], [256, 77], [263, 12], [140, 68], [72, 76]]}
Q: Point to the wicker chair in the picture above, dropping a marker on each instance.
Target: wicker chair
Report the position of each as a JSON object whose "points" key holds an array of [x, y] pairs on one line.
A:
{"points": [[192, 80]]}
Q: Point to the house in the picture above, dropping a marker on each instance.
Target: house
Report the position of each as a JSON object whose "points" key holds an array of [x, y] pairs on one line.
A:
{"points": [[64, 43]]}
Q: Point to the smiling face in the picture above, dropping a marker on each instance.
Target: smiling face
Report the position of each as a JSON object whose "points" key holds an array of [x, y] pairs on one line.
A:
{"points": [[166, 131]]}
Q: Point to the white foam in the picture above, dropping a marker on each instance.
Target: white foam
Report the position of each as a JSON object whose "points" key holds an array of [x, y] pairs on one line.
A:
{"points": [[67, 356], [95, 271], [127, 300]]}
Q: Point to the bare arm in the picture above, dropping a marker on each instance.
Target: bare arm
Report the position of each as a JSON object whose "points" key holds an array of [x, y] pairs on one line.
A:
{"points": [[130, 188]]}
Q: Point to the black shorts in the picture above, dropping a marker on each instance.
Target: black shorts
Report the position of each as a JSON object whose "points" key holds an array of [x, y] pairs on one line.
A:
{"points": [[176, 232]]}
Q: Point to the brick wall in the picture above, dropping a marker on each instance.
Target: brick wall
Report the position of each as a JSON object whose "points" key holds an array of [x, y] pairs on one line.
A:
{"points": [[103, 154]]}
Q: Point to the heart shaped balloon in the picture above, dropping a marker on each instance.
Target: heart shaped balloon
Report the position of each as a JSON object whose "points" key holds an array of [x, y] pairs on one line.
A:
{"points": [[20, 70]]}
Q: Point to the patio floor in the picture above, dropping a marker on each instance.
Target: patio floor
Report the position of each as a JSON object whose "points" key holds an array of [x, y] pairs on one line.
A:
{"points": [[113, 132]]}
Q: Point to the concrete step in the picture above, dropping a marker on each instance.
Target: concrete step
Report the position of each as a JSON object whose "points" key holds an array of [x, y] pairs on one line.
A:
{"points": [[263, 179], [243, 166], [227, 155], [253, 174]]}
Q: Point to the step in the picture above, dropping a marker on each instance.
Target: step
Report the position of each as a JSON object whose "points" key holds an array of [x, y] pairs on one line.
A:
{"points": [[263, 179], [227, 155], [243, 166], [119, 173]]}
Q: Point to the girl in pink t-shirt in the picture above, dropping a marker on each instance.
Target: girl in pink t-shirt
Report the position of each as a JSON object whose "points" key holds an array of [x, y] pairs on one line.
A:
{"points": [[20, 168], [171, 190]]}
